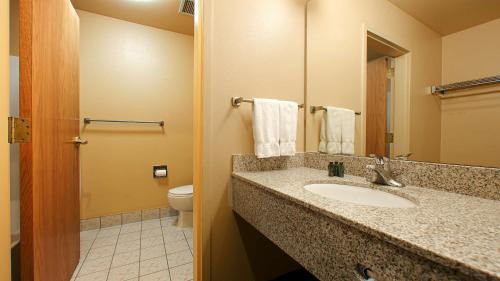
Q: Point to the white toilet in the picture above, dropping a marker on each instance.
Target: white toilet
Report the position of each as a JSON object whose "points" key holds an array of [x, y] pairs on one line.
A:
{"points": [[181, 199]]}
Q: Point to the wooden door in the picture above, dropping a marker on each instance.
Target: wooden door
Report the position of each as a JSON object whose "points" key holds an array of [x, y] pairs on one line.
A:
{"points": [[376, 107], [49, 97]]}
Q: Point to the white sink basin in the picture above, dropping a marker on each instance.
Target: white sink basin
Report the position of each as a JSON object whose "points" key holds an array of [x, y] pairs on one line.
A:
{"points": [[360, 195]]}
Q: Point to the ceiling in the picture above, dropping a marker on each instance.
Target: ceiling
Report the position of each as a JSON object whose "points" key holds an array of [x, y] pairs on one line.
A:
{"points": [[449, 16], [156, 13]]}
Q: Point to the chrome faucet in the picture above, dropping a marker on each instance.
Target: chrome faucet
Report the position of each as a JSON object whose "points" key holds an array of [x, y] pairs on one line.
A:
{"points": [[383, 172]]}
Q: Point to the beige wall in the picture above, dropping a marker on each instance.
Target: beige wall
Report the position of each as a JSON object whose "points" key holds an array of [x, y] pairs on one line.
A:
{"points": [[471, 125], [14, 27], [4, 146], [336, 66], [252, 49], [131, 71]]}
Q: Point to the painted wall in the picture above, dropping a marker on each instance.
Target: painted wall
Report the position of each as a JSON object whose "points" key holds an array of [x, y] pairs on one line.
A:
{"points": [[4, 146], [14, 27], [252, 49], [336, 66], [131, 71], [471, 125]]}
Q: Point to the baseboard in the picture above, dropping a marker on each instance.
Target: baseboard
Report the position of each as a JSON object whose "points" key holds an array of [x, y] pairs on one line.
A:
{"points": [[124, 218]]}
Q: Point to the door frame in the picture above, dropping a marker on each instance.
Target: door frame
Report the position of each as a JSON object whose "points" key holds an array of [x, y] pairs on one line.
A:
{"points": [[200, 238], [198, 146], [4, 145], [402, 91]]}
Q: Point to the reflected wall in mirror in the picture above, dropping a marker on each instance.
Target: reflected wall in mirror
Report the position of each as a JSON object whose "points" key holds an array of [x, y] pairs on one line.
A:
{"points": [[382, 58]]}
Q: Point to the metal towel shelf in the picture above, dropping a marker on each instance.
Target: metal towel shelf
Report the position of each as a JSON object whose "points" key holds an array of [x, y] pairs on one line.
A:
{"points": [[465, 85]]}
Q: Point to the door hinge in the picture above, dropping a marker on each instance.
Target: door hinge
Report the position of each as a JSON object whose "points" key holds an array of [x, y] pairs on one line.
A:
{"points": [[390, 73], [19, 130], [389, 138]]}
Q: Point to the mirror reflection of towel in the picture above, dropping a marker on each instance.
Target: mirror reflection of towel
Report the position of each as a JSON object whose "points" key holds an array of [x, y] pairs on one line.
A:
{"points": [[337, 131]]}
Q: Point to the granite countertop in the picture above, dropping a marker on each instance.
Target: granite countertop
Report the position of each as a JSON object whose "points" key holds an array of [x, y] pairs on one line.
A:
{"points": [[454, 230]]}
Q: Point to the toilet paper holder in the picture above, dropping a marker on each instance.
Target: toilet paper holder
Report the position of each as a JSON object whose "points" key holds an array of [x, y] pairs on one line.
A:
{"points": [[160, 171]]}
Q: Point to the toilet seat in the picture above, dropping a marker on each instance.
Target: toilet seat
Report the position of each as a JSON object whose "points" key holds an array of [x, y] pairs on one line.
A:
{"points": [[181, 191]]}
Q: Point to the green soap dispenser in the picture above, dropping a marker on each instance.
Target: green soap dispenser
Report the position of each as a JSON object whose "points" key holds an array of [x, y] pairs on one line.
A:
{"points": [[341, 169], [331, 169]]}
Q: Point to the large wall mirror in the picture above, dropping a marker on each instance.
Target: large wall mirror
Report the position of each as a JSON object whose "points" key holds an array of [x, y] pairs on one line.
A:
{"points": [[410, 70]]}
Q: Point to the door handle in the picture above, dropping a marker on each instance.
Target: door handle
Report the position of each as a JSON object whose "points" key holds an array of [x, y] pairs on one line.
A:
{"points": [[78, 141]]}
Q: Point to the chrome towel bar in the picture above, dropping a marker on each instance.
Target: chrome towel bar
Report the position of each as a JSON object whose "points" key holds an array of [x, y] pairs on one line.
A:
{"points": [[89, 120], [236, 101], [315, 108]]}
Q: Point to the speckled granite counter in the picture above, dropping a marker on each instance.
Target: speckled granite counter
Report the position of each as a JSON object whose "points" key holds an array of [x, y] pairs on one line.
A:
{"points": [[447, 236]]}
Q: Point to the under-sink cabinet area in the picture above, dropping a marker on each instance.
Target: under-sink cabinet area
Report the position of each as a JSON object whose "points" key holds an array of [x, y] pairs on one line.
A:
{"points": [[439, 235]]}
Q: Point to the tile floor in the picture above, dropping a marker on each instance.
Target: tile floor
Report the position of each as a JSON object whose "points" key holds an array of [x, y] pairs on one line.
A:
{"points": [[147, 250]]}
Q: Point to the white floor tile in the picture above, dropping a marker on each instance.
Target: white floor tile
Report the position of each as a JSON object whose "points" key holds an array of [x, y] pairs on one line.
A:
{"points": [[110, 231], [123, 273], [123, 247], [83, 254], [173, 236], [125, 258], [88, 235], [176, 246], [131, 227], [170, 228], [77, 269], [153, 265], [101, 252], [96, 276], [85, 245], [151, 232], [153, 252], [152, 241], [150, 224], [95, 265], [188, 232], [182, 273], [163, 275], [130, 236], [127, 251], [168, 221], [105, 241], [179, 258]]}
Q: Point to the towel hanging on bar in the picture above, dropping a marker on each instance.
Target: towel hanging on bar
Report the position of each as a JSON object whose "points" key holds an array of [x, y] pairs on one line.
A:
{"points": [[315, 108], [236, 101]]}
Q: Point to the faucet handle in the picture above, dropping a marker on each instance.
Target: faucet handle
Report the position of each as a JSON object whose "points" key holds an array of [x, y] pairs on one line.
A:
{"points": [[403, 156], [379, 160], [387, 163]]}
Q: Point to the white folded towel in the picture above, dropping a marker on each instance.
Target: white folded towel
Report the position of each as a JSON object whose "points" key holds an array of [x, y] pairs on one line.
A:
{"points": [[266, 130], [337, 131], [347, 117], [322, 134], [288, 127], [331, 131]]}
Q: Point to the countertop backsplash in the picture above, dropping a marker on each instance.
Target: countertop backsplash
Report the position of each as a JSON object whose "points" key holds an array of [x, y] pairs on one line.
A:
{"points": [[467, 180]]}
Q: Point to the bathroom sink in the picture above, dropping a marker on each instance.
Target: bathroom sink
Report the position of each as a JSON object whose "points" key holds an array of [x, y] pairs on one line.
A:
{"points": [[360, 195]]}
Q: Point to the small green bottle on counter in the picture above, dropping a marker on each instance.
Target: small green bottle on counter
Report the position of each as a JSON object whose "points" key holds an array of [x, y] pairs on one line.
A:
{"points": [[331, 169], [341, 169]]}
